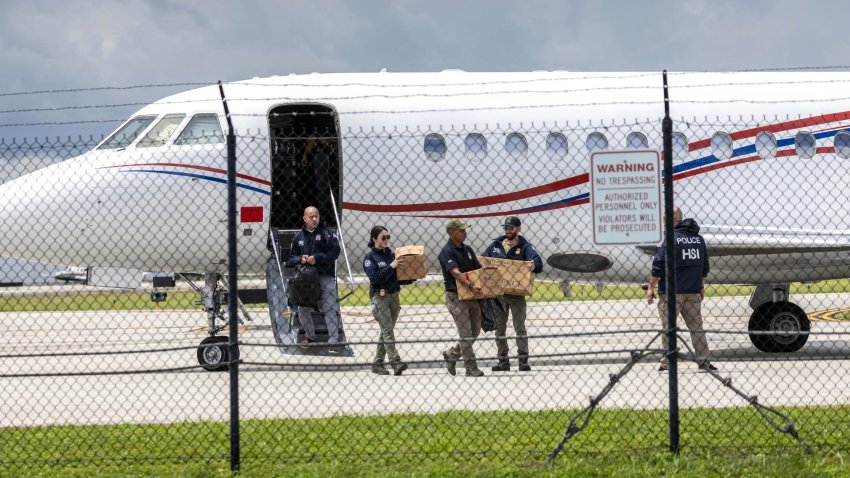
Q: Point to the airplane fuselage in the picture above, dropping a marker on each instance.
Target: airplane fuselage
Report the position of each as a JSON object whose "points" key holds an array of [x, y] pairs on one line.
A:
{"points": [[767, 218]]}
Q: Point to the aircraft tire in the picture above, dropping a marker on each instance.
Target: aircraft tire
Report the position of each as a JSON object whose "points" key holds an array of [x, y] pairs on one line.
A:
{"points": [[784, 317], [213, 353]]}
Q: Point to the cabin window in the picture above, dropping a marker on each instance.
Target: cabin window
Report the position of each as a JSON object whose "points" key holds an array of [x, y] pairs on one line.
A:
{"points": [[435, 147], [163, 130], [804, 145], [766, 145], [515, 145], [680, 145], [556, 145], [476, 145], [636, 140], [721, 145], [127, 133], [202, 129], [596, 142], [842, 144]]}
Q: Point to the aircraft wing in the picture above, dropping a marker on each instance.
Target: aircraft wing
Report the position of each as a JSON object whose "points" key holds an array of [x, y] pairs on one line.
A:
{"points": [[749, 240]]}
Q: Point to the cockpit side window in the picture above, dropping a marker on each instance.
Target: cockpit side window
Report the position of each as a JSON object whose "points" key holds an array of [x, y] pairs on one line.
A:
{"points": [[127, 133], [163, 130], [202, 129]]}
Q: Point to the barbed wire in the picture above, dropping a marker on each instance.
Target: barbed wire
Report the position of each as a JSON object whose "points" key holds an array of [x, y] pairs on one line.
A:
{"points": [[103, 88], [766, 70], [61, 123]]}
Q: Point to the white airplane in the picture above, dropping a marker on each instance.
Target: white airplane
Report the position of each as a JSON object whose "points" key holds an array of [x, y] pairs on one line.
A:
{"points": [[71, 274], [410, 150]]}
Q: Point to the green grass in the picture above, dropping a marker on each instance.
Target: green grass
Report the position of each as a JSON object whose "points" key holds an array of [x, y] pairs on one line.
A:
{"points": [[416, 294], [715, 442]]}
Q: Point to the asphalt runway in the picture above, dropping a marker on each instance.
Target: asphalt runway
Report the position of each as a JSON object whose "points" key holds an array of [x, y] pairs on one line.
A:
{"points": [[140, 366]]}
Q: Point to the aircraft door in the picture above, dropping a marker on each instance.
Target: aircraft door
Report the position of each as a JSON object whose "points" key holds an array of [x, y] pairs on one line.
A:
{"points": [[306, 171], [305, 164]]}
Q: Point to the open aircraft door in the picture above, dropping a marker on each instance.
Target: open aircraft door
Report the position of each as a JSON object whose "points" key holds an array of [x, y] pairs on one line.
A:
{"points": [[306, 171]]}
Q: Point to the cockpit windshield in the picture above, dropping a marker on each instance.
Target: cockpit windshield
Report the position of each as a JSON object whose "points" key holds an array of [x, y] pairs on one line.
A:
{"points": [[127, 133], [163, 130], [202, 129]]}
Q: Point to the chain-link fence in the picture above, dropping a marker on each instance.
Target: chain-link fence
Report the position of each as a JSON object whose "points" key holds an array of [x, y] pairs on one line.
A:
{"points": [[127, 368]]}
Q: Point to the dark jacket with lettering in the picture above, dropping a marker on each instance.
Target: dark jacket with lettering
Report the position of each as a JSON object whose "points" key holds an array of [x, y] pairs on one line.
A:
{"points": [[321, 244], [522, 251], [691, 259], [381, 275]]}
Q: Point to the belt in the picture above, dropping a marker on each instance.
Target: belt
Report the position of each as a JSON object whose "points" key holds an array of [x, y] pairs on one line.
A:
{"points": [[381, 292]]}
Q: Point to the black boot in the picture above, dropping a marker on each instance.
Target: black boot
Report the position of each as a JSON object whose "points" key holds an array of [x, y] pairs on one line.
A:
{"points": [[523, 364], [398, 367], [503, 366]]}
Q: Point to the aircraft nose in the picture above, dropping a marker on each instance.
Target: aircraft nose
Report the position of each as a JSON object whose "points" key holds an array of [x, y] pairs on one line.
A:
{"points": [[37, 211]]}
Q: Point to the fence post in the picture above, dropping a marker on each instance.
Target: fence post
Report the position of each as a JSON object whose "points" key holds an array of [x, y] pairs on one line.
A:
{"points": [[232, 297], [670, 262]]}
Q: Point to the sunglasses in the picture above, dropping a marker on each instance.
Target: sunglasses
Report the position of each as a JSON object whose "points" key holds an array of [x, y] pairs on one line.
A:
{"points": [[384, 238]]}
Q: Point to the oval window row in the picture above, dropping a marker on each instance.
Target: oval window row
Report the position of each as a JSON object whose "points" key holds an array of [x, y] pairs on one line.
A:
{"points": [[766, 145], [516, 145]]}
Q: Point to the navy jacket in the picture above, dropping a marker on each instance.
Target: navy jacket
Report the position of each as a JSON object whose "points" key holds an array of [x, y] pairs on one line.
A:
{"points": [[523, 251], [381, 275], [321, 244], [691, 259]]}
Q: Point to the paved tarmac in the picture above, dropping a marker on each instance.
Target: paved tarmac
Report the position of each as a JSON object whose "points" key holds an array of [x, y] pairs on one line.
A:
{"points": [[140, 366]]}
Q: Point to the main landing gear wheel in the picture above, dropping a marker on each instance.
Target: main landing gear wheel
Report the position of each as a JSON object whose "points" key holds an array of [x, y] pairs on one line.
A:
{"points": [[788, 323], [213, 353]]}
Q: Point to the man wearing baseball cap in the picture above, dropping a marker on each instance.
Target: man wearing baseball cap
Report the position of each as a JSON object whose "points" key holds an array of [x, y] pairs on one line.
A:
{"points": [[511, 245], [456, 258]]}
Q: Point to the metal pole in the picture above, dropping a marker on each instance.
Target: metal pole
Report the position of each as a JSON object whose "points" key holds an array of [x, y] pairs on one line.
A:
{"points": [[670, 262], [232, 297]]}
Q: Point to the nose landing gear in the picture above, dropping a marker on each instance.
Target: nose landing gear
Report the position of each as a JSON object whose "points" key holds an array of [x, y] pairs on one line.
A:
{"points": [[213, 353]]}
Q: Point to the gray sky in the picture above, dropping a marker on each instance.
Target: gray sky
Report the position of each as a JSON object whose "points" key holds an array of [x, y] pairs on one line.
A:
{"points": [[47, 45], [71, 44]]}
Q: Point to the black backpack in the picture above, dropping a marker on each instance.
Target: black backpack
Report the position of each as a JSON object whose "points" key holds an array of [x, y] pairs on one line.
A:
{"points": [[303, 288], [490, 311]]}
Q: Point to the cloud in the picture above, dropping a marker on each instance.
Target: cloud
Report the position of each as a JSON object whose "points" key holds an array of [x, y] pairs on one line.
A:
{"points": [[87, 43]]}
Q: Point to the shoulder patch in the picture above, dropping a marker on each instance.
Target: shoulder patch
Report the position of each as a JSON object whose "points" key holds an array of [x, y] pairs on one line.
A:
{"points": [[367, 263]]}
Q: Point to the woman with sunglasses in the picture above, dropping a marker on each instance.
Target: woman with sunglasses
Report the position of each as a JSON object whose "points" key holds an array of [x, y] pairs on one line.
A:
{"points": [[380, 265]]}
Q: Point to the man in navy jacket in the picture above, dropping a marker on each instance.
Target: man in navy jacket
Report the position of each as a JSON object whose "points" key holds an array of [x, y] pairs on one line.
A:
{"points": [[318, 246], [513, 246], [691, 269]]}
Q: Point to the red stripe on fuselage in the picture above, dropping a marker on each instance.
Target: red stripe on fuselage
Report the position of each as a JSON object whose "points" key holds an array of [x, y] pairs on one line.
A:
{"points": [[775, 128], [470, 203], [501, 213], [192, 166], [779, 154]]}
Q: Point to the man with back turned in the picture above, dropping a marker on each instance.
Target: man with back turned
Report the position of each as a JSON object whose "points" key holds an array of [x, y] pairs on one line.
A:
{"points": [[691, 270]]}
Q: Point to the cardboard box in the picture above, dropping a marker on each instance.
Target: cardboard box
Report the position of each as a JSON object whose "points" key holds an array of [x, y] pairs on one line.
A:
{"points": [[516, 278], [488, 278], [414, 262]]}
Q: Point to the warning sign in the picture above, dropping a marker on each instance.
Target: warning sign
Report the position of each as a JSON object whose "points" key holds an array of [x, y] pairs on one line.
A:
{"points": [[625, 191]]}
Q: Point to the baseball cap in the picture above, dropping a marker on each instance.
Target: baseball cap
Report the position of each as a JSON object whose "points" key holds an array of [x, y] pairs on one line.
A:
{"points": [[455, 224], [512, 221]]}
